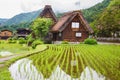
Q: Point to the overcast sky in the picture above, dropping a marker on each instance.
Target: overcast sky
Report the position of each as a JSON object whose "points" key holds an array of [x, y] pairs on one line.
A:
{"points": [[10, 8]]}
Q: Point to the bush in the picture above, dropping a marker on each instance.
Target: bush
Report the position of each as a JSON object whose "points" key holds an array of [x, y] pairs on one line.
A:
{"points": [[65, 42], [10, 40], [2, 41], [30, 40], [35, 43], [22, 41], [90, 41], [14, 38], [81, 43]]}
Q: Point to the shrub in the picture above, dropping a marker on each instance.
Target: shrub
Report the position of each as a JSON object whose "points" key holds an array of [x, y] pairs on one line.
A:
{"points": [[90, 41], [30, 41], [81, 43], [65, 42], [14, 38], [35, 43], [22, 41], [2, 41], [10, 40]]}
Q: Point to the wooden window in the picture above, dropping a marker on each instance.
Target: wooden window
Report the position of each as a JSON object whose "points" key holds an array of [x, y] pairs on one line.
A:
{"points": [[75, 24], [78, 34]]}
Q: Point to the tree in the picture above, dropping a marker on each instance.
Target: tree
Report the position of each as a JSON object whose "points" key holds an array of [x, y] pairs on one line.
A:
{"points": [[108, 22], [40, 27], [110, 19]]}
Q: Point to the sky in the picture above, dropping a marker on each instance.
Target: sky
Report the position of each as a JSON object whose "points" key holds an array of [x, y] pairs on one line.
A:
{"points": [[10, 8]]}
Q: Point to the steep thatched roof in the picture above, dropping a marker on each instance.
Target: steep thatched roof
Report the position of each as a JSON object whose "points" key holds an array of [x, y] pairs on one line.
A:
{"points": [[48, 9], [67, 18]]}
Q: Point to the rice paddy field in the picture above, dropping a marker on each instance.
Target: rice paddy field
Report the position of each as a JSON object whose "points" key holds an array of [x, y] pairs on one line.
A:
{"points": [[15, 48], [70, 62]]}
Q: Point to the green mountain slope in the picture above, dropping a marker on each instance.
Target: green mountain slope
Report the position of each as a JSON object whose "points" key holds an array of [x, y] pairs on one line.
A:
{"points": [[92, 13], [3, 20], [22, 18]]}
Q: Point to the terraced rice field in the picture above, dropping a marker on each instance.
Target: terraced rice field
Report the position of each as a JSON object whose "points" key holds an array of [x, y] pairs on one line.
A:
{"points": [[70, 62]]}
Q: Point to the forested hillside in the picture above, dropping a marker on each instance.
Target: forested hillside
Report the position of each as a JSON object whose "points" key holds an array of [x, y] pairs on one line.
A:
{"points": [[92, 13], [3, 20], [108, 23], [23, 18]]}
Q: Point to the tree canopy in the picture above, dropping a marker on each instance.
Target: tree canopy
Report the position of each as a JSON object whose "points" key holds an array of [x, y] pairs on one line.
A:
{"points": [[108, 22], [40, 27]]}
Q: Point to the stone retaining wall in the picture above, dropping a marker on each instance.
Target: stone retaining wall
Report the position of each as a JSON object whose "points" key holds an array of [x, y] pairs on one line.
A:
{"points": [[103, 39]]}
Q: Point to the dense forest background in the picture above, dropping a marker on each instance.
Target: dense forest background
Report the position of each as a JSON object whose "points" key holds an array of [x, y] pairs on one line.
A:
{"points": [[104, 18]]}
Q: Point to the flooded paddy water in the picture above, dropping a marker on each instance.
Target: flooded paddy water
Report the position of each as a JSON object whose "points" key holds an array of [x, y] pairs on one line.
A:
{"points": [[5, 53]]}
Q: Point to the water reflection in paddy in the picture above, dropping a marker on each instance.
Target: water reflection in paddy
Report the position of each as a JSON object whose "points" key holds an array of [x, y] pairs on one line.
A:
{"points": [[24, 70], [5, 53]]}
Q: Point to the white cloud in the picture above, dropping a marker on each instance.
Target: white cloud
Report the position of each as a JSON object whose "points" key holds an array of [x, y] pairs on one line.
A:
{"points": [[9, 8]]}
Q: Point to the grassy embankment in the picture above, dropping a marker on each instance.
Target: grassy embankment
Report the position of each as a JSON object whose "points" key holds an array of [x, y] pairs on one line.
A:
{"points": [[16, 49]]}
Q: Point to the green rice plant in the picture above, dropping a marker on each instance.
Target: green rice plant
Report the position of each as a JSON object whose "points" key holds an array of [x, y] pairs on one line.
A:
{"points": [[5, 74], [104, 59]]}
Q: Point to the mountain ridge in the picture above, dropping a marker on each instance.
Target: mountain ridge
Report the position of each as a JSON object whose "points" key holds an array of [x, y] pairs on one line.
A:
{"points": [[22, 18]]}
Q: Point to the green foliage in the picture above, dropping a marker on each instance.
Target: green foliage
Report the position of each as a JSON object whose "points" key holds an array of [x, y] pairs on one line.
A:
{"points": [[35, 43], [40, 27], [30, 39], [22, 41], [93, 13], [14, 38], [114, 3], [59, 15], [65, 42], [2, 42], [10, 40], [93, 26], [90, 41], [16, 26], [107, 22], [5, 74]]}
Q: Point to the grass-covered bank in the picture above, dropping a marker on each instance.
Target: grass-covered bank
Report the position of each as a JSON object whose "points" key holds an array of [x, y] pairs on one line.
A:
{"points": [[14, 48]]}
